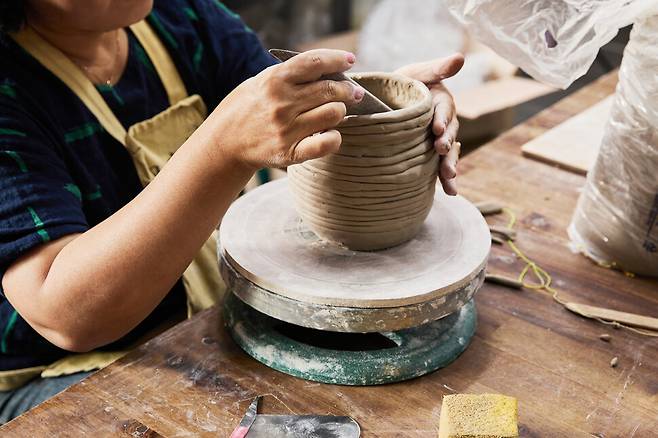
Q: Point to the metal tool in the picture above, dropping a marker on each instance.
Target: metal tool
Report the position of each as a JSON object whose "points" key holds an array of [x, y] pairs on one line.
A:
{"points": [[253, 425], [247, 421], [304, 426], [370, 104]]}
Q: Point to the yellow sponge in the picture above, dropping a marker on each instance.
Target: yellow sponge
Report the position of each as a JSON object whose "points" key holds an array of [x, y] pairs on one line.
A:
{"points": [[478, 416]]}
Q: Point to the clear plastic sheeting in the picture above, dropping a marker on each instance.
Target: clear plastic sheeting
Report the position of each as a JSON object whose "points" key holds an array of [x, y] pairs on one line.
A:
{"points": [[616, 220], [398, 33], [554, 41]]}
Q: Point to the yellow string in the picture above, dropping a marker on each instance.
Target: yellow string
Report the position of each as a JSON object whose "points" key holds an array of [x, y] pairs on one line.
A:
{"points": [[543, 282]]}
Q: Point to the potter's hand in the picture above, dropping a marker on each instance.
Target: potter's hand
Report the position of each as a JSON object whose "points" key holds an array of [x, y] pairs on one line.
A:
{"points": [[286, 114], [445, 124]]}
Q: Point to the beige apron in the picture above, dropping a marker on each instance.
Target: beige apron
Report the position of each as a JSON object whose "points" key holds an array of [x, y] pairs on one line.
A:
{"points": [[151, 143]]}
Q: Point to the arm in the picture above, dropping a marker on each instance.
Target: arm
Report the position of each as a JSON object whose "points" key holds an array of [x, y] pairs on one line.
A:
{"points": [[86, 290]]}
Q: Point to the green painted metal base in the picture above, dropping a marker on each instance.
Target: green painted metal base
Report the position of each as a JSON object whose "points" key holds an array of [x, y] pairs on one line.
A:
{"points": [[349, 359]]}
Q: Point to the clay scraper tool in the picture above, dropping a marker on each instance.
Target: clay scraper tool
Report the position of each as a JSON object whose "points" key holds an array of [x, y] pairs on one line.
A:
{"points": [[255, 425], [370, 104]]}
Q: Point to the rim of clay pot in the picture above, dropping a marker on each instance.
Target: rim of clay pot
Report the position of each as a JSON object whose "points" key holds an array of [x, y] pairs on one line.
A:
{"points": [[420, 106]]}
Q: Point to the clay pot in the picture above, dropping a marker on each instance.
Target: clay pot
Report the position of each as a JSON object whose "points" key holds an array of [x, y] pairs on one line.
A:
{"points": [[377, 190]]}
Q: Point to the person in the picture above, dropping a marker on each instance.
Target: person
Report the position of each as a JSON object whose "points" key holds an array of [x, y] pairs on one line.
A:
{"points": [[126, 130]]}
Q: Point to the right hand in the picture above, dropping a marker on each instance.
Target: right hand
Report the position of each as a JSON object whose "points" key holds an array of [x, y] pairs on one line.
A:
{"points": [[286, 114]]}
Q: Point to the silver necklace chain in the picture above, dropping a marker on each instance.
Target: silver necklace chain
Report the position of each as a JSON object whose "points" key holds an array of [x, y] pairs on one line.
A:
{"points": [[94, 77]]}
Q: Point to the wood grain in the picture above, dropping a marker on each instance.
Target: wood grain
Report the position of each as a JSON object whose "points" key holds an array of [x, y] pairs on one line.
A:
{"points": [[193, 381], [573, 144]]}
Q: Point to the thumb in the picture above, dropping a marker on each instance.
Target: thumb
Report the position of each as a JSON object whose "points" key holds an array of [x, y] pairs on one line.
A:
{"points": [[434, 71], [316, 146]]}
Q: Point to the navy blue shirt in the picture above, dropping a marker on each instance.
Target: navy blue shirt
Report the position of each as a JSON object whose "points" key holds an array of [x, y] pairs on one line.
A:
{"points": [[61, 173]]}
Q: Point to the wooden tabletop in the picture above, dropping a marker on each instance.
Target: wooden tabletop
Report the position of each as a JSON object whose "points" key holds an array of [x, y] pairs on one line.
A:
{"points": [[194, 381]]}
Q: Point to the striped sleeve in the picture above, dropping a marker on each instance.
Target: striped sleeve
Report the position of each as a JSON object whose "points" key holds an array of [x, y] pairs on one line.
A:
{"points": [[37, 203]]}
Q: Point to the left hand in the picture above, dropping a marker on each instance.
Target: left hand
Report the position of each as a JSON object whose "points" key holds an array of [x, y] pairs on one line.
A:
{"points": [[445, 124]]}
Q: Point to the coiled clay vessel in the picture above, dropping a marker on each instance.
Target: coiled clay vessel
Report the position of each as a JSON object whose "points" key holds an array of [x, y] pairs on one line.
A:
{"points": [[377, 190]]}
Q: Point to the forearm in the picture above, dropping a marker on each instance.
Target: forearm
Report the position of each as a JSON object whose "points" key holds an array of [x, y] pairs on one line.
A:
{"points": [[108, 279], [90, 289]]}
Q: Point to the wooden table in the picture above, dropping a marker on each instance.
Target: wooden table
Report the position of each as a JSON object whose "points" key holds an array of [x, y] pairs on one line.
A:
{"points": [[194, 381]]}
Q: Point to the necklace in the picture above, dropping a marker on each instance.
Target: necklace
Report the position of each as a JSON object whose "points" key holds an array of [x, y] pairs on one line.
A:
{"points": [[109, 80]]}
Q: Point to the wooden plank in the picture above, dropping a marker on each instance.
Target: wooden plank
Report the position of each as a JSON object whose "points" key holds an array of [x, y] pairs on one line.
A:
{"points": [[573, 144], [194, 381], [498, 94], [613, 315]]}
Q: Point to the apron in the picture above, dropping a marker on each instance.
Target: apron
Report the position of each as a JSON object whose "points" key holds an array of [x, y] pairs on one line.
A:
{"points": [[151, 143]]}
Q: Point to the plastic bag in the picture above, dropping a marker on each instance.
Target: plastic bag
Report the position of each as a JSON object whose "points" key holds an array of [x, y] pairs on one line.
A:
{"points": [[616, 220], [398, 33], [554, 41]]}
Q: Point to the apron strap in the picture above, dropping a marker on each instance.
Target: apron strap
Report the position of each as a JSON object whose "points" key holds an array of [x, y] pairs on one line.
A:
{"points": [[69, 73], [161, 60]]}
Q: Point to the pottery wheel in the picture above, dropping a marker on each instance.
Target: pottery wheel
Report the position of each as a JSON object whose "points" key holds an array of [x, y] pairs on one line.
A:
{"points": [[264, 240]]}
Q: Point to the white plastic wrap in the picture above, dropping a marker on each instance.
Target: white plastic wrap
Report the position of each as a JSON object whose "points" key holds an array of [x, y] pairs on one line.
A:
{"points": [[555, 41], [616, 221], [398, 33]]}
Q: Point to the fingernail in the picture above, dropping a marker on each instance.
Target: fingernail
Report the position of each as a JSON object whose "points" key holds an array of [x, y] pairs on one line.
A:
{"points": [[351, 59], [441, 147], [453, 172], [452, 188], [359, 93], [445, 144]]}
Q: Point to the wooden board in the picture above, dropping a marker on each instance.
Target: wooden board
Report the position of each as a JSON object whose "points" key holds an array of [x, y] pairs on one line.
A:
{"points": [[194, 381], [498, 94], [265, 240], [573, 144]]}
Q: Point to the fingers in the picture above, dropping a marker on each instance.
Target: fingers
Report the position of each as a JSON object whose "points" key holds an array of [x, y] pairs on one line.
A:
{"points": [[320, 92], [444, 109], [445, 141], [434, 71], [312, 65], [448, 169], [319, 119], [316, 146]]}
